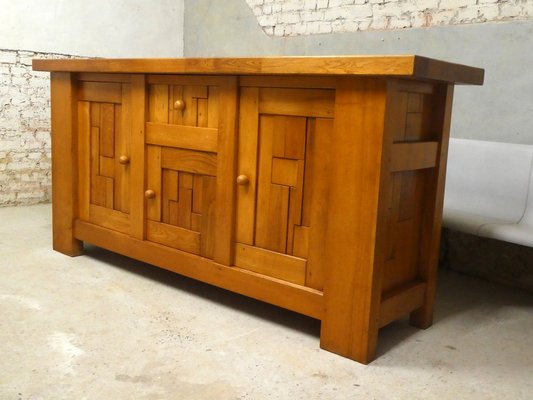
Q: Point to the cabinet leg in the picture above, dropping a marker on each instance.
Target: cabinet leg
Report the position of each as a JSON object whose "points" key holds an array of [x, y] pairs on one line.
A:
{"points": [[353, 236], [63, 234], [357, 343], [71, 247], [422, 318], [64, 165], [432, 225]]}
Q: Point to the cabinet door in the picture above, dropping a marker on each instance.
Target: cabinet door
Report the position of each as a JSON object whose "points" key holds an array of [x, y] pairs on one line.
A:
{"points": [[284, 137], [104, 131], [189, 122]]}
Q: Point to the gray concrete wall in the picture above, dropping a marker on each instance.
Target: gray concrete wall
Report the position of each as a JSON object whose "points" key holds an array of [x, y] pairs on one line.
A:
{"points": [[97, 28], [501, 110]]}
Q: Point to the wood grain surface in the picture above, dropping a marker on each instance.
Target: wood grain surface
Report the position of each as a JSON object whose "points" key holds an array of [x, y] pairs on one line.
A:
{"points": [[405, 65]]}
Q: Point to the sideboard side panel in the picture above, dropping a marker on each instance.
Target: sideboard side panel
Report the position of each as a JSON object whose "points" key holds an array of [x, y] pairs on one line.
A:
{"points": [[433, 203], [64, 170]]}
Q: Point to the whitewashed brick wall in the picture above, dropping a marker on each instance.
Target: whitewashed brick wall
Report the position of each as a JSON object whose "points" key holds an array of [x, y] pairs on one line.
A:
{"points": [[25, 176], [305, 17]]}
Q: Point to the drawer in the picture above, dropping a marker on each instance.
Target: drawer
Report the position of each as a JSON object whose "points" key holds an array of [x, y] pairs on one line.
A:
{"points": [[183, 100]]}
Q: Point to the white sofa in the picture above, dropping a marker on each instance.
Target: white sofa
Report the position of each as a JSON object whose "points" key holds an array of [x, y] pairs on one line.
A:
{"points": [[489, 190]]}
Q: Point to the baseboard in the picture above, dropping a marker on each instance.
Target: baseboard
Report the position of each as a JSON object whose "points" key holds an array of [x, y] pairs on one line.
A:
{"points": [[505, 263]]}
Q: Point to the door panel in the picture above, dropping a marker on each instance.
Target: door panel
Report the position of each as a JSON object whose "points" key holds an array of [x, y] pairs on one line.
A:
{"points": [[183, 141], [280, 181], [285, 159], [181, 215], [104, 133]]}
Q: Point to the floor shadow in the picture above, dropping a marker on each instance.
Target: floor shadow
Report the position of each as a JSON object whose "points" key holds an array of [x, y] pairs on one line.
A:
{"points": [[259, 309], [393, 334], [457, 294]]}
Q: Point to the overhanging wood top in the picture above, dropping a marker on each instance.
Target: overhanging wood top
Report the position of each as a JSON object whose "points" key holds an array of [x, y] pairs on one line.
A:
{"points": [[401, 66]]}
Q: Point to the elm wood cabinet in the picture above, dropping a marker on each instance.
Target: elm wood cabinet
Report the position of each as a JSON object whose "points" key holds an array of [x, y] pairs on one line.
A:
{"points": [[312, 183]]}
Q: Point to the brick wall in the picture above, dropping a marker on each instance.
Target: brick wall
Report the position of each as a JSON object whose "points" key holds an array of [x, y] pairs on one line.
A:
{"points": [[25, 176], [305, 17]]}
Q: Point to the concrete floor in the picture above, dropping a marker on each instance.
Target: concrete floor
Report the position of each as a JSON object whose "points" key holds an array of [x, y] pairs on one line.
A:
{"points": [[102, 326]]}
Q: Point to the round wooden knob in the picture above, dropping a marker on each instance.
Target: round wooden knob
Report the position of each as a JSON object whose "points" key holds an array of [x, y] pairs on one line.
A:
{"points": [[149, 194], [124, 160], [243, 180], [179, 105]]}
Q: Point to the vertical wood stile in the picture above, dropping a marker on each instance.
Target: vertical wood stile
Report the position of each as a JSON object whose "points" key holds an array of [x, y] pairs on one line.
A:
{"points": [[248, 142], [352, 290], [153, 182], [209, 209], [125, 148], [318, 156], [137, 183], [433, 202], [263, 222], [64, 164], [84, 158], [226, 171]]}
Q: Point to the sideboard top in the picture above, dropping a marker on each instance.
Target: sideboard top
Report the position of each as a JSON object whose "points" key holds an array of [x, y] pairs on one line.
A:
{"points": [[406, 66]]}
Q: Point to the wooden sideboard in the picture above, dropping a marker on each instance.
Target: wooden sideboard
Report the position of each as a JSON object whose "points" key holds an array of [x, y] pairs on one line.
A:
{"points": [[312, 183]]}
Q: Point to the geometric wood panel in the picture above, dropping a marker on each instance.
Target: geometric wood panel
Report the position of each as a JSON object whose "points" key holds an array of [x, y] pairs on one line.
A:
{"points": [[414, 111], [182, 198], [283, 144], [109, 179], [104, 133], [280, 181], [402, 252], [289, 165], [182, 213]]}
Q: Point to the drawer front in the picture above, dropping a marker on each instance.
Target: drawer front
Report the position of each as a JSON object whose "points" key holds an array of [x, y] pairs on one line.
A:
{"points": [[183, 100]]}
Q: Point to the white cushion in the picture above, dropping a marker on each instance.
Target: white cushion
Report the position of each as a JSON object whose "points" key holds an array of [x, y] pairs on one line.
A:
{"points": [[527, 219], [488, 178], [489, 190]]}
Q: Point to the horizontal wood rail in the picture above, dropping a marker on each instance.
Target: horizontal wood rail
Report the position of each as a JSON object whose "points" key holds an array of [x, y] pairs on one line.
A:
{"points": [[187, 160], [186, 137], [277, 81], [102, 92], [413, 156], [189, 80], [307, 102], [291, 269], [96, 77], [173, 236], [401, 301], [109, 218]]}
